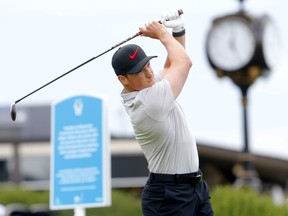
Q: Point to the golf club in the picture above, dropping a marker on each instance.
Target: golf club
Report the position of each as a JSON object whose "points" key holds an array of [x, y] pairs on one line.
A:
{"points": [[13, 105]]}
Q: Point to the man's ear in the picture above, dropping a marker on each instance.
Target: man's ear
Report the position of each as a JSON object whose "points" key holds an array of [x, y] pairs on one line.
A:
{"points": [[122, 79]]}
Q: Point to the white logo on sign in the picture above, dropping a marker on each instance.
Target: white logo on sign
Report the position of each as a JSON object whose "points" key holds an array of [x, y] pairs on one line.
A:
{"points": [[78, 107], [77, 199]]}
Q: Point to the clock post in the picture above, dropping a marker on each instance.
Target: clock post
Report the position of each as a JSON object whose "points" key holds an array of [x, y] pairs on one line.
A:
{"points": [[243, 47], [246, 173]]}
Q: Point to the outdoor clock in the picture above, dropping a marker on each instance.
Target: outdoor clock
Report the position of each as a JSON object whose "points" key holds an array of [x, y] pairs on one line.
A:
{"points": [[270, 43], [236, 42]]}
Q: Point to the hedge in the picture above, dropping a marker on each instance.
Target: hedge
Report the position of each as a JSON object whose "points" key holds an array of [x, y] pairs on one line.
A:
{"points": [[232, 201], [226, 201]]}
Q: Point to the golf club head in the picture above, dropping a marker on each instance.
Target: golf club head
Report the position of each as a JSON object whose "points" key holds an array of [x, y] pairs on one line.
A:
{"points": [[13, 111]]}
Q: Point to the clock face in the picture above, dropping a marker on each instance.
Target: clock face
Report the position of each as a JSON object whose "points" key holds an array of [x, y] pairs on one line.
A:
{"points": [[270, 44], [230, 44]]}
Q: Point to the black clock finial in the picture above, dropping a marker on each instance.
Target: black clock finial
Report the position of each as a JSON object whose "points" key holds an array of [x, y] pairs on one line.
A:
{"points": [[241, 5]]}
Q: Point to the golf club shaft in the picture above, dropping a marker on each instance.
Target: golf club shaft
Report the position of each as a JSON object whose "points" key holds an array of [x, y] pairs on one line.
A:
{"points": [[84, 63], [180, 12]]}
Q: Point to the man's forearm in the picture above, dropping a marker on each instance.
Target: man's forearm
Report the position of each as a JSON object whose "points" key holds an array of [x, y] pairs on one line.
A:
{"points": [[182, 41]]}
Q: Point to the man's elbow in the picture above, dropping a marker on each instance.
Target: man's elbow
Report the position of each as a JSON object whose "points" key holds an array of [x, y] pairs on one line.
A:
{"points": [[188, 63]]}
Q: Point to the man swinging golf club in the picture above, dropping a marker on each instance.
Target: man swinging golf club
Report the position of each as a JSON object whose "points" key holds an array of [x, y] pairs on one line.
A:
{"points": [[175, 185]]}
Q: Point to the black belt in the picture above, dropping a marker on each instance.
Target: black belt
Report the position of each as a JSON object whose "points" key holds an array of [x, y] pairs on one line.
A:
{"points": [[189, 178]]}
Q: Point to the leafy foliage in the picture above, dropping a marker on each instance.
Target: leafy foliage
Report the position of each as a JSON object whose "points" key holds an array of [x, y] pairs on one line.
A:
{"points": [[226, 201], [232, 201]]}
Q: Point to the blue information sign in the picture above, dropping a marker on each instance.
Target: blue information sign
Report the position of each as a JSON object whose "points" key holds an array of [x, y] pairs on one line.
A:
{"points": [[80, 153]]}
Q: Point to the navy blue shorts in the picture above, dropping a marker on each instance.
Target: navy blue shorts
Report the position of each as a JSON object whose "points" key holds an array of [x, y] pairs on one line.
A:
{"points": [[177, 198]]}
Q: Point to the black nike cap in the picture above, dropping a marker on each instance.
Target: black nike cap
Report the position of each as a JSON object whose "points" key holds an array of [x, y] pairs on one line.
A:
{"points": [[129, 59]]}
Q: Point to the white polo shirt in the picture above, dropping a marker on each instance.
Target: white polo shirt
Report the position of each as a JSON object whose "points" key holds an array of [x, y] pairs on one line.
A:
{"points": [[162, 129]]}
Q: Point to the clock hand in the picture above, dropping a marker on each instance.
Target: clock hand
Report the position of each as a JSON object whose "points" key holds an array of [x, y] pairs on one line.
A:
{"points": [[232, 44]]}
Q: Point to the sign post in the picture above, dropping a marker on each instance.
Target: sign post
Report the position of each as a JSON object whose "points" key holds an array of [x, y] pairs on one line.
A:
{"points": [[80, 154]]}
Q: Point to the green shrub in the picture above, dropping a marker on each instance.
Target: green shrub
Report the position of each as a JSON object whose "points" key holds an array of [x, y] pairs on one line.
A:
{"points": [[19, 195], [231, 201], [226, 201], [124, 203]]}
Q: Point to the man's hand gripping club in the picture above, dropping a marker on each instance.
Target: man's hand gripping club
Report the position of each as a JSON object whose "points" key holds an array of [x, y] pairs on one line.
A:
{"points": [[173, 19]]}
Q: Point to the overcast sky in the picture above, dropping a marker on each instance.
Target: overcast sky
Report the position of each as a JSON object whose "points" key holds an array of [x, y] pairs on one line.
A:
{"points": [[42, 39]]}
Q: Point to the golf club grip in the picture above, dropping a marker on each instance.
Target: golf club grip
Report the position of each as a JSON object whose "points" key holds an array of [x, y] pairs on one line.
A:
{"points": [[180, 12]]}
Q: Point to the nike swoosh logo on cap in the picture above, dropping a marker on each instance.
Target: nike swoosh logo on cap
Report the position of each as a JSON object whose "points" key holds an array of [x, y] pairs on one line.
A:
{"points": [[134, 54]]}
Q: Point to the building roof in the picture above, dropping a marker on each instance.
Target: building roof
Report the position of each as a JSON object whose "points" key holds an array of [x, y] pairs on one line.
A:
{"points": [[33, 125]]}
